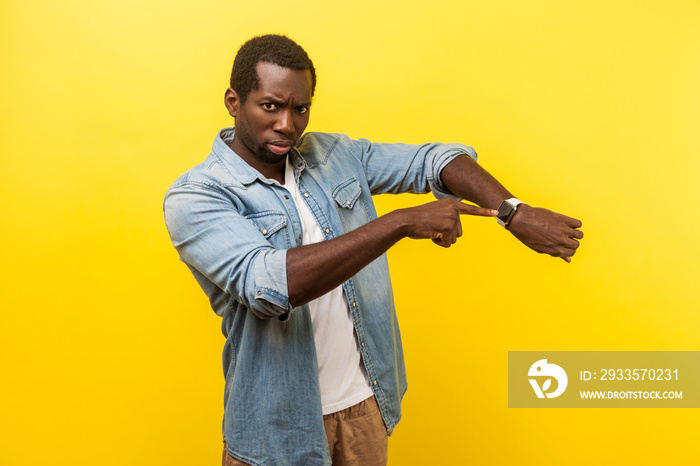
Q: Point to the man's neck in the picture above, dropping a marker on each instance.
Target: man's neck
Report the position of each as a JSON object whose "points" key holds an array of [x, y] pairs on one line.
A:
{"points": [[272, 171]]}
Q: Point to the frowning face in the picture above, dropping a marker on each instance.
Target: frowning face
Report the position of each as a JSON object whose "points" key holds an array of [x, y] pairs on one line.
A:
{"points": [[272, 118]]}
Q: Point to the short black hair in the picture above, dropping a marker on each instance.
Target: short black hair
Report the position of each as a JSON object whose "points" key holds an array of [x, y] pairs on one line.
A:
{"points": [[271, 48]]}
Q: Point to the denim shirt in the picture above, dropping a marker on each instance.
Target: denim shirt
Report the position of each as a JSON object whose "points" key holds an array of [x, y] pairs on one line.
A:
{"points": [[233, 227]]}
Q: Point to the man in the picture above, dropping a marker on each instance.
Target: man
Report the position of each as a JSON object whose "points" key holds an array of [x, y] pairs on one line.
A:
{"points": [[279, 229]]}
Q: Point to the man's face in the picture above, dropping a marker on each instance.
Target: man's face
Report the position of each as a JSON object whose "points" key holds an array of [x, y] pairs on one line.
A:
{"points": [[273, 116]]}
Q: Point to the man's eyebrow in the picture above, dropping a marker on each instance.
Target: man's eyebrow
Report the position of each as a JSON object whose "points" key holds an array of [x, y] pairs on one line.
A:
{"points": [[280, 102], [274, 100]]}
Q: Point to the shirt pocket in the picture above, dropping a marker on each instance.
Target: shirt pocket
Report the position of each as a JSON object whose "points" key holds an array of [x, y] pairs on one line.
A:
{"points": [[347, 193], [269, 223], [351, 212]]}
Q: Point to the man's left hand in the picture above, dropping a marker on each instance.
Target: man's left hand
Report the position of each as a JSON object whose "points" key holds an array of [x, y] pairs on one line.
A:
{"points": [[546, 232]]}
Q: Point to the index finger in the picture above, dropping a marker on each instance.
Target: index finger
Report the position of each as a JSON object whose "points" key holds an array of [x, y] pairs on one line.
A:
{"points": [[468, 209], [572, 222]]}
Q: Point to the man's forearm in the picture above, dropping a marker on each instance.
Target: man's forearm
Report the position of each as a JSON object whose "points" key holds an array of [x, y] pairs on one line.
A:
{"points": [[315, 269], [465, 178], [539, 229]]}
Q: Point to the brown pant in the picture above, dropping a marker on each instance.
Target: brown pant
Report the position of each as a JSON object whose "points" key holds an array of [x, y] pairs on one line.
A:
{"points": [[356, 437]]}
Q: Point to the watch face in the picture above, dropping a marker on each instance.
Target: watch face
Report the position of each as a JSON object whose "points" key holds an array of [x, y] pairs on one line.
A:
{"points": [[504, 212]]}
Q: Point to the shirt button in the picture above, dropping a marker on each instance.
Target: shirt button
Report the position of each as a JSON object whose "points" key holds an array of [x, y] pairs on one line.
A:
{"points": [[259, 292], [375, 383], [363, 344], [286, 196], [264, 232], [347, 202], [306, 194], [327, 231], [354, 304]]}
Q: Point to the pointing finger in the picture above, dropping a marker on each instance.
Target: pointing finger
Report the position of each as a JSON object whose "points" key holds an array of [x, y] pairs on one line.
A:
{"points": [[468, 209]]}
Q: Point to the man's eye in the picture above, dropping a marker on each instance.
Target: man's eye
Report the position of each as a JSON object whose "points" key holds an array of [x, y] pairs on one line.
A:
{"points": [[268, 106], [302, 110]]}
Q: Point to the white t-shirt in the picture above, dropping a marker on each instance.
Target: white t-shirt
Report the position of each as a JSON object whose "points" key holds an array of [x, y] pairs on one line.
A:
{"points": [[342, 376]]}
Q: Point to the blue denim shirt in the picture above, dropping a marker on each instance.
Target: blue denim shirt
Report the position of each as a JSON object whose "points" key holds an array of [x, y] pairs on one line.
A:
{"points": [[233, 227]]}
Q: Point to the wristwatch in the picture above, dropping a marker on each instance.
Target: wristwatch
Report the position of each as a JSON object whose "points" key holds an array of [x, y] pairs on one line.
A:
{"points": [[506, 211]]}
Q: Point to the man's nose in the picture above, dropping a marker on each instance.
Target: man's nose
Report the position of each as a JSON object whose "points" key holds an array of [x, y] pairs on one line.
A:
{"points": [[284, 122]]}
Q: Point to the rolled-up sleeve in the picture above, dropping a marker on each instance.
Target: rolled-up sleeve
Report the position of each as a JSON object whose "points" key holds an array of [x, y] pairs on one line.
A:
{"points": [[226, 248], [400, 168]]}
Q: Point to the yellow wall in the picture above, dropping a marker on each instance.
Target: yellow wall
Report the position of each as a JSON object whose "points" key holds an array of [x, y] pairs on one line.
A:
{"points": [[109, 353]]}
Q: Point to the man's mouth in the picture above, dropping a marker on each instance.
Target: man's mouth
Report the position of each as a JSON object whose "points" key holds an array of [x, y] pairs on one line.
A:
{"points": [[279, 147]]}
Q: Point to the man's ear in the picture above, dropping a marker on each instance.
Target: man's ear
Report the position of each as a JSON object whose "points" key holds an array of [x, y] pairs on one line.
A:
{"points": [[232, 102]]}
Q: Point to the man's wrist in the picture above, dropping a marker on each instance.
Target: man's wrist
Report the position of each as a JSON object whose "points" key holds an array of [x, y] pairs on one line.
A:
{"points": [[396, 223], [518, 216], [507, 210]]}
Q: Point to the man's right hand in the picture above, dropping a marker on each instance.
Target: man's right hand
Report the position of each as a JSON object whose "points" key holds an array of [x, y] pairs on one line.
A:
{"points": [[439, 220]]}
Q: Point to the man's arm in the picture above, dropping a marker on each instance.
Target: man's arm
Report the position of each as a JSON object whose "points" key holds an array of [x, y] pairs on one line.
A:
{"points": [[230, 251], [315, 269], [539, 229]]}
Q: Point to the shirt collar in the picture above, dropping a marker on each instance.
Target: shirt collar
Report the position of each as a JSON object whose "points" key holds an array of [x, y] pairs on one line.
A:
{"points": [[238, 167]]}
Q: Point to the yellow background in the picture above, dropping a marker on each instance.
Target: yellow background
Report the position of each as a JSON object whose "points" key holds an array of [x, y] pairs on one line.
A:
{"points": [[109, 353]]}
